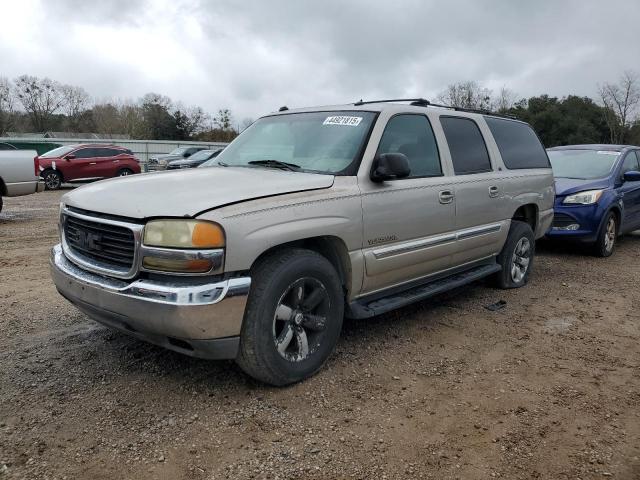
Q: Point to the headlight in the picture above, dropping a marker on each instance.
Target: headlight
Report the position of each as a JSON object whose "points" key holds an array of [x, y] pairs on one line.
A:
{"points": [[183, 234], [584, 198]]}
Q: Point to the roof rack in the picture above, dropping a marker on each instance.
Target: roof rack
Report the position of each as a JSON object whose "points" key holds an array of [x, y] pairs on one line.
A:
{"points": [[422, 102]]}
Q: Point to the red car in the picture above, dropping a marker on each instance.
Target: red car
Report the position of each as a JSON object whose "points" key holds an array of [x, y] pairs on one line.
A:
{"points": [[84, 162]]}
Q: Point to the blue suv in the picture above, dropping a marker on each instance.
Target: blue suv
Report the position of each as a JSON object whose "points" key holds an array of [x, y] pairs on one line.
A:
{"points": [[597, 194]]}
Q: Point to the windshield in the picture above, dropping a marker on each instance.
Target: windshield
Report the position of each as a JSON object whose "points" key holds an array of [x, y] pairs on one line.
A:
{"points": [[58, 152], [178, 151], [582, 164], [325, 142], [201, 155]]}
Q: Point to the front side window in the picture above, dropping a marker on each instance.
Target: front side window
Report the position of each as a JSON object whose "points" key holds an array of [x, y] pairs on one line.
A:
{"points": [[582, 164], [468, 151], [412, 136], [519, 146], [630, 164], [85, 153], [321, 142]]}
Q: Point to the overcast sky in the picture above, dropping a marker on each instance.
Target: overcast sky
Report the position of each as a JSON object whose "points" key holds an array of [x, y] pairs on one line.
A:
{"points": [[252, 56]]}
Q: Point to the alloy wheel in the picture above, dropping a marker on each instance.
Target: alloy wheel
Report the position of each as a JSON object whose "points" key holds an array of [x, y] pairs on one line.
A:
{"points": [[610, 235], [300, 319], [52, 181], [520, 260]]}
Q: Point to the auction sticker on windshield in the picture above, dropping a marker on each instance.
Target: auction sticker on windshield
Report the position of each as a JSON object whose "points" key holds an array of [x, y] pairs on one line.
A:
{"points": [[607, 152], [342, 120]]}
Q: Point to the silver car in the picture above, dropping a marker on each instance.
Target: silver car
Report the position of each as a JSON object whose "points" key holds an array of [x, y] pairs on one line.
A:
{"points": [[308, 216]]}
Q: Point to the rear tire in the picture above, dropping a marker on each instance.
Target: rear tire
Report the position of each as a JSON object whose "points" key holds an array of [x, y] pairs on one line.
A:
{"points": [[606, 242], [0, 203], [516, 258], [293, 317], [52, 179], [124, 172]]}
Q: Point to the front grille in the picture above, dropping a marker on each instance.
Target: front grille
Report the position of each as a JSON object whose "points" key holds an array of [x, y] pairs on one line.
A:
{"points": [[109, 245], [562, 220]]}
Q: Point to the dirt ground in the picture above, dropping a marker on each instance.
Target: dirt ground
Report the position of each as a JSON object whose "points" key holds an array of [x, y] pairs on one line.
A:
{"points": [[548, 387]]}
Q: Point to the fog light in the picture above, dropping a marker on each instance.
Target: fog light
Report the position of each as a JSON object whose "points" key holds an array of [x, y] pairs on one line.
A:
{"points": [[573, 226], [200, 265]]}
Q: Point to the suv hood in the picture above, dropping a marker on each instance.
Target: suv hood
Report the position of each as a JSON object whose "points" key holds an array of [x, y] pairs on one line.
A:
{"points": [[568, 186], [185, 193]]}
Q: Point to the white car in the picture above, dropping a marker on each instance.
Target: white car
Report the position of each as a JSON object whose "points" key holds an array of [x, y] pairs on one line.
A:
{"points": [[19, 173]]}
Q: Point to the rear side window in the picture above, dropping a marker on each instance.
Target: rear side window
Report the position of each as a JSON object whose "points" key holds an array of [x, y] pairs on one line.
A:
{"points": [[85, 153], [518, 144], [468, 150], [412, 136]]}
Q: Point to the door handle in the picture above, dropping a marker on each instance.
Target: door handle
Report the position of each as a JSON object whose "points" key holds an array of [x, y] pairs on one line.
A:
{"points": [[445, 196], [93, 163], [493, 191]]}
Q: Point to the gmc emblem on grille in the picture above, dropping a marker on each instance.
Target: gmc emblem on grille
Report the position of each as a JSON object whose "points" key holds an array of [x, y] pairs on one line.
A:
{"points": [[89, 240]]}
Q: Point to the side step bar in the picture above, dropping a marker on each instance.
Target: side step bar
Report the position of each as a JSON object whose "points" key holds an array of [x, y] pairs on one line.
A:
{"points": [[364, 308]]}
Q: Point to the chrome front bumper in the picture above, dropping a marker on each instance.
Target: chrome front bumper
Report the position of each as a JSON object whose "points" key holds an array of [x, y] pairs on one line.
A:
{"points": [[187, 315]]}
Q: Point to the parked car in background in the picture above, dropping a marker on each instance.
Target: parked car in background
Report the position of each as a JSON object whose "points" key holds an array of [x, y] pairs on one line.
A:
{"points": [[597, 194], [19, 173], [307, 216], [160, 162], [194, 160], [7, 146], [86, 162]]}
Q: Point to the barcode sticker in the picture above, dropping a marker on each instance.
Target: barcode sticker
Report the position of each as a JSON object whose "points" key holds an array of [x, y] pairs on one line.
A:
{"points": [[342, 120]]}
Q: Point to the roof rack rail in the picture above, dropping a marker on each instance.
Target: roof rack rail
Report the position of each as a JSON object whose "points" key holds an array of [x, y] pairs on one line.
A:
{"points": [[422, 102]]}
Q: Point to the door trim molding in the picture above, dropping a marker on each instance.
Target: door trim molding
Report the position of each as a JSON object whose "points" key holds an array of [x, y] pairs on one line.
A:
{"points": [[435, 240]]}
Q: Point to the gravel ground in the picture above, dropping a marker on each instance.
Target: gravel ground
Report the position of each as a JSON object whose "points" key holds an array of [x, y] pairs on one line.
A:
{"points": [[547, 387]]}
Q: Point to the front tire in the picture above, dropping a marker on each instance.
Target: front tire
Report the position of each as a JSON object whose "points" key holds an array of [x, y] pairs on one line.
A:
{"points": [[516, 258], [606, 242], [293, 317], [52, 179]]}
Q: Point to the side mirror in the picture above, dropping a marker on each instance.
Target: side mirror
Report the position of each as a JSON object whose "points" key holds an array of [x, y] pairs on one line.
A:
{"points": [[390, 166], [71, 156], [632, 176]]}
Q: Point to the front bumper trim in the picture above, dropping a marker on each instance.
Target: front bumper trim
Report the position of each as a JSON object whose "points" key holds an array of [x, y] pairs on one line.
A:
{"points": [[177, 314]]}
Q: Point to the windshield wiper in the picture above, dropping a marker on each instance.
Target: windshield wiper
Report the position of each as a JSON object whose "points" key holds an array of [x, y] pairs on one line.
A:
{"points": [[222, 164], [276, 164]]}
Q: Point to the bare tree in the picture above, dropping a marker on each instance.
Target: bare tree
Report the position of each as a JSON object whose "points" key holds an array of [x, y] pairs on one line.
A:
{"points": [[467, 95], [504, 100], [246, 123], [40, 97], [76, 101], [106, 118], [621, 102], [6, 105]]}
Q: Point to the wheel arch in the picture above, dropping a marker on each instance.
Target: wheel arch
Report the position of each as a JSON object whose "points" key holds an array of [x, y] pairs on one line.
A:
{"points": [[527, 213], [3, 188], [52, 170], [331, 247]]}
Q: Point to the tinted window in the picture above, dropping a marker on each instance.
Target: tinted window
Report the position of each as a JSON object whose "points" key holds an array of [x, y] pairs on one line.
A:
{"points": [[468, 150], [630, 163], [582, 164], [113, 152], [518, 144], [85, 153], [412, 135]]}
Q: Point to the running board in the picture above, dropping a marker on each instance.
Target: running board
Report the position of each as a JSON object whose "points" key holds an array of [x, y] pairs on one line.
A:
{"points": [[364, 308]]}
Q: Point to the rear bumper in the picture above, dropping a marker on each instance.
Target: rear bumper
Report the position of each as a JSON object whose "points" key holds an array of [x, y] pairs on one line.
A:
{"points": [[190, 316]]}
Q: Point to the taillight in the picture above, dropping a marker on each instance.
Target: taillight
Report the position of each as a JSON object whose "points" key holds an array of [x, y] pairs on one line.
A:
{"points": [[36, 166]]}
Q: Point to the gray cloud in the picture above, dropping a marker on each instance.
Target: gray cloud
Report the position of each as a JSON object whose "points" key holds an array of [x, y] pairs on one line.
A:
{"points": [[253, 56]]}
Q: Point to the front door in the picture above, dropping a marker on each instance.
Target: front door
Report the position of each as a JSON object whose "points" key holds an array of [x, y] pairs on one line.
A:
{"points": [[409, 222], [630, 193]]}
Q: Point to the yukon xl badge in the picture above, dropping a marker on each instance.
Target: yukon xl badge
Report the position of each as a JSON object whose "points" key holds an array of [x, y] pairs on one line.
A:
{"points": [[385, 239]]}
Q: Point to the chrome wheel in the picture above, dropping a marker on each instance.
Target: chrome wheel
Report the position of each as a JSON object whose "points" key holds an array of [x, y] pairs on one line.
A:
{"points": [[520, 260], [300, 319], [52, 181], [610, 235]]}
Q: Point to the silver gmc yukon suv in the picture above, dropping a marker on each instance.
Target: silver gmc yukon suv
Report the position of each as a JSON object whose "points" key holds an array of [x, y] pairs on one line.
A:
{"points": [[308, 216]]}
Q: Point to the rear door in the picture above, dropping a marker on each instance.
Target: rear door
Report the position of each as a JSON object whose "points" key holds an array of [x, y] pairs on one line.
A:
{"points": [[409, 222], [480, 226], [630, 192]]}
